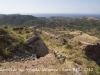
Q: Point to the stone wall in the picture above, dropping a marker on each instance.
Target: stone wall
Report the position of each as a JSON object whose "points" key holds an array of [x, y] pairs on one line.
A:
{"points": [[53, 37], [93, 52], [37, 45]]}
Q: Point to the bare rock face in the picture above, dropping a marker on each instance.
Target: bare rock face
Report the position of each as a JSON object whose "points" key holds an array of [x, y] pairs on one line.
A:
{"points": [[37, 45], [93, 52]]}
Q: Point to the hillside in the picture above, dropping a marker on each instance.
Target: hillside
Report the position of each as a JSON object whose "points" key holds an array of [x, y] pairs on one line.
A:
{"points": [[17, 20], [49, 46], [13, 43], [85, 24], [30, 56], [80, 49]]}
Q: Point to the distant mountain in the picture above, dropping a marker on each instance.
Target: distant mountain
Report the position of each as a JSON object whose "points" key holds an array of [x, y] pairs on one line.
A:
{"points": [[17, 19], [83, 23]]}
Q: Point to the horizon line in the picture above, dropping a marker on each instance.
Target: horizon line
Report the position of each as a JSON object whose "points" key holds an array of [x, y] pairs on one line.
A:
{"points": [[49, 13]]}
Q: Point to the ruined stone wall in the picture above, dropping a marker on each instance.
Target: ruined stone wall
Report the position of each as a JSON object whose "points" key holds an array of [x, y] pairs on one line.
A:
{"points": [[37, 45], [93, 52], [53, 37]]}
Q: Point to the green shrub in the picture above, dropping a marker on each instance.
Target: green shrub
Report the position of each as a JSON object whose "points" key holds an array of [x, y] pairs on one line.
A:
{"points": [[69, 46], [81, 33], [79, 43], [20, 32], [77, 61], [6, 53], [69, 58], [27, 31], [5, 27]]}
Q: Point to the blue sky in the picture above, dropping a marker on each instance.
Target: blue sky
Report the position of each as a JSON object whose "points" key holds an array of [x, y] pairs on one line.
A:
{"points": [[50, 6]]}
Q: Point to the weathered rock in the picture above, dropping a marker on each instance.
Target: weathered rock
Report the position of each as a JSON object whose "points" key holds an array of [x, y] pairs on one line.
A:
{"points": [[60, 56], [37, 45]]}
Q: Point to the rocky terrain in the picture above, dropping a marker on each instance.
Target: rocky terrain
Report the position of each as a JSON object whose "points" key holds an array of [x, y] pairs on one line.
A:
{"points": [[56, 46], [32, 58], [33, 48], [27, 67], [36, 52], [43, 66]]}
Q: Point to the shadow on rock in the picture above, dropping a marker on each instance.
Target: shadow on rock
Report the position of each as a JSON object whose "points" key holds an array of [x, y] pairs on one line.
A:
{"points": [[93, 52]]}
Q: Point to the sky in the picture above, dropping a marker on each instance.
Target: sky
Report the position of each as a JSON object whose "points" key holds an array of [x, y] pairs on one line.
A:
{"points": [[50, 6]]}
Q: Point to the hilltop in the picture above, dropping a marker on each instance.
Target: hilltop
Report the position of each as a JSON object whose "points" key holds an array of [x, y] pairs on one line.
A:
{"points": [[17, 19]]}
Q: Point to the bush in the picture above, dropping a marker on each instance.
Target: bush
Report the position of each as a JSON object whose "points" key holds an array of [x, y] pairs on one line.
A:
{"points": [[77, 61], [79, 43], [68, 46], [5, 27], [27, 31], [81, 33], [20, 32], [6, 53], [18, 28]]}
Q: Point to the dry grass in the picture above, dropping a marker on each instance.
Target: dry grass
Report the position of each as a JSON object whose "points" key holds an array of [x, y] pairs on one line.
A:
{"points": [[77, 56], [75, 32], [73, 55], [64, 31], [47, 62], [86, 38]]}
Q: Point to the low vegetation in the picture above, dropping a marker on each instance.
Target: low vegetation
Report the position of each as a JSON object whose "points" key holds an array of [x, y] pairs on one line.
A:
{"points": [[74, 53], [9, 40], [77, 32]]}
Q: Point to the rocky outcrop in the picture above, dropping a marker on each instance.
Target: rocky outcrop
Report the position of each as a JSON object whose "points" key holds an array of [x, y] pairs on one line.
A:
{"points": [[37, 45], [93, 52], [60, 56]]}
